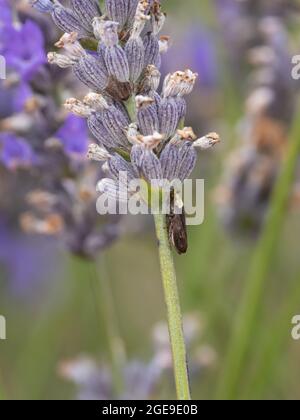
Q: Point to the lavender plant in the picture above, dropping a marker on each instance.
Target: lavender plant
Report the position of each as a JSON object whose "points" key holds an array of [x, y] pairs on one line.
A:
{"points": [[269, 155], [252, 170], [42, 148], [117, 55]]}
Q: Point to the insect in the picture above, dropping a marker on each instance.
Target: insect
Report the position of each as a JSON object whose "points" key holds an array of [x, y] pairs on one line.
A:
{"points": [[176, 226]]}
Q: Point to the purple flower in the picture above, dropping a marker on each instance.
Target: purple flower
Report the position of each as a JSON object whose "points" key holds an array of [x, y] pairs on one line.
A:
{"points": [[74, 136], [13, 98], [15, 152], [23, 49], [5, 21], [5, 13], [24, 258], [198, 51]]}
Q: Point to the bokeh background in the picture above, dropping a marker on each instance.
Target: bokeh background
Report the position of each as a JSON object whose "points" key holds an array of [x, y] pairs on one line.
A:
{"points": [[56, 305]]}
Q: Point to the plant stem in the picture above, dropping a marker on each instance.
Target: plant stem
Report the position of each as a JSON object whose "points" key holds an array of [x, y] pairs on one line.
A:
{"points": [[173, 310], [262, 262], [131, 108], [102, 5], [106, 302], [274, 344]]}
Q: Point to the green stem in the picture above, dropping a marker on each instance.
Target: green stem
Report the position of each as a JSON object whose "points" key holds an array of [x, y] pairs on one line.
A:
{"points": [[262, 263], [106, 302], [274, 343], [131, 108], [102, 6], [89, 44], [173, 310]]}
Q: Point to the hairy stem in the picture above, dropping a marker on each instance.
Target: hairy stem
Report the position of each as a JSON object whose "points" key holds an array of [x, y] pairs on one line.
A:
{"points": [[173, 310]]}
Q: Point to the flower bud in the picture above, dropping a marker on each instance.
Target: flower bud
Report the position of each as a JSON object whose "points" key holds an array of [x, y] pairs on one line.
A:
{"points": [[207, 141], [147, 116], [168, 117], [85, 11], [97, 153], [117, 10]]}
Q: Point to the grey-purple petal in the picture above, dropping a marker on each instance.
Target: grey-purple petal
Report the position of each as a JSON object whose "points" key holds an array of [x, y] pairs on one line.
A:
{"points": [[181, 107], [67, 21], [91, 72], [170, 161], [86, 11], [116, 122], [117, 164], [117, 63], [151, 46], [146, 163], [117, 10], [169, 117], [98, 129], [151, 166], [187, 159], [132, 7], [147, 118], [136, 157], [134, 50]]}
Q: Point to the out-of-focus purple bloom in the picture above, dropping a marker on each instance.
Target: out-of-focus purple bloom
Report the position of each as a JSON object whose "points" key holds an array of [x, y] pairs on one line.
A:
{"points": [[258, 40], [228, 11], [5, 13], [198, 51], [23, 259], [24, 50], [73, 135], [5, 22], [13, 98], [15, 152], [204, 58], [5, 10]]}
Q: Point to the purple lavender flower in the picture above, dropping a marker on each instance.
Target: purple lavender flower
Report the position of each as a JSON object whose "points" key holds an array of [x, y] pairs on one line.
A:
{"points": [[13, 98], [250, 176], [198, 51], [40, 139], [5, 13], [73, 135], [24, 51], [23, 259], [125, 68], [140, 131], [15, 152]]}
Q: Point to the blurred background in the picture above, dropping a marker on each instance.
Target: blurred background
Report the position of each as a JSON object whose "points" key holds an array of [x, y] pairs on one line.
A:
{"points": [[72, 322]]}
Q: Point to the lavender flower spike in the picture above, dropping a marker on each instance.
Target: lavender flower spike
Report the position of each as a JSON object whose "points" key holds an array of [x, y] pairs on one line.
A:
{"points": [[139, 129]]}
